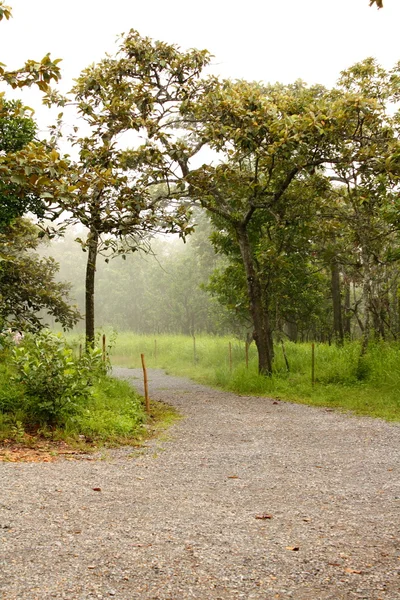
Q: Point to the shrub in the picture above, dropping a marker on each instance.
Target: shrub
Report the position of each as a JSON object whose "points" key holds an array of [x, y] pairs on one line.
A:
{"points": [[56, 385]]}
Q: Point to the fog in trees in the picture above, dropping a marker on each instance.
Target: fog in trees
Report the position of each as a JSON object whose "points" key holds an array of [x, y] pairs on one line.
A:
{"points": [[158, 290]]}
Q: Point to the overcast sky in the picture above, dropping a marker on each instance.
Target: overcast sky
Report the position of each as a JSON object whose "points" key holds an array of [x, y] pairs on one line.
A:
{"points": [[263, 40]]}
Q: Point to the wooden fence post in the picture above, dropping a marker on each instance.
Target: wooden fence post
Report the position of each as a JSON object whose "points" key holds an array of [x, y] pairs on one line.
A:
{"points": [[80, 351], [285, 357], [146, 386], [104, 347]]}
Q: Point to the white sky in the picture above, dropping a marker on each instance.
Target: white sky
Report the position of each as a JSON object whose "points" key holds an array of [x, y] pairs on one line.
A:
{"points": [[264, 40]]}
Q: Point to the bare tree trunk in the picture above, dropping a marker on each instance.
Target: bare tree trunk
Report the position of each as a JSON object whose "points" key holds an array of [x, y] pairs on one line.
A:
{"points": [[367, 305], [347, 313], [292, 331], [93, 239], [259, 313], [337, 304]]}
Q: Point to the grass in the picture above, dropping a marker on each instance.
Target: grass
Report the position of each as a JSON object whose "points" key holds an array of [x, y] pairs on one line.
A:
{"points": [[113, 414], [370, 387]]}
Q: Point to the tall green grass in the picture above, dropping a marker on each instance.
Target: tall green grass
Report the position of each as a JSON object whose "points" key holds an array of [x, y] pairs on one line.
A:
{"points": [[371, 387]]}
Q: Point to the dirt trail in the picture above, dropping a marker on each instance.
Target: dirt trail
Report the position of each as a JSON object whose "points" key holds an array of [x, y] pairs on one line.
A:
{"points": [[179, 519]]}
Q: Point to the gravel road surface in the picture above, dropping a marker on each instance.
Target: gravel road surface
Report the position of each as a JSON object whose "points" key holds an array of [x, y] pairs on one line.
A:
{"points": [[243, 498]]}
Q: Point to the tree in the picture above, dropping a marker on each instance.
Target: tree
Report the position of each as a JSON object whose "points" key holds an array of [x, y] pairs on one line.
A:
{"points": [[27, 173], [29, 170], [109, 188], [27, 282], [17, 129], [273, 145], [368, 177], [268, 140]]}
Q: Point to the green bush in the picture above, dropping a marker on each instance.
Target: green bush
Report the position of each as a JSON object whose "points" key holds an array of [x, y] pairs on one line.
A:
{"points": [[56, 385], [114, 412]]}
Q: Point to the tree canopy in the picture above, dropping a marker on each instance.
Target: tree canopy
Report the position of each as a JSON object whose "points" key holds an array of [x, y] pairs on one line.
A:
{"points": [[110, 189], [28, 288]]}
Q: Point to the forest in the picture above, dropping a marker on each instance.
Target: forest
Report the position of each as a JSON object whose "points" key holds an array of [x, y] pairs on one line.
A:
{"points": [[181, 203]]}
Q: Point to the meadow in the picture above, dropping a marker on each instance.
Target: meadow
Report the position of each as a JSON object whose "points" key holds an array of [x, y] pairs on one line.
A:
{"points": [[370, 387]]}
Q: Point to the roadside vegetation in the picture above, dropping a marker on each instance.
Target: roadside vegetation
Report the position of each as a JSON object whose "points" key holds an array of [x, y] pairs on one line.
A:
{"points": [[293, 234], [54, 399], [370, 388]]}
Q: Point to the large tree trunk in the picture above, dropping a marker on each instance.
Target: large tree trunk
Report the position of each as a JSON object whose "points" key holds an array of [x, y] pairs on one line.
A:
{"points": [[337, 304], [259, 312], [93, 240]]}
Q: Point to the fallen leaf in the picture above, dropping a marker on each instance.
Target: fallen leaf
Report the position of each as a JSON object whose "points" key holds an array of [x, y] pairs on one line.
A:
{"points": [[293, 548], [233, 476], [96, 489], [349, 570], [264, 516], [275, 403]]}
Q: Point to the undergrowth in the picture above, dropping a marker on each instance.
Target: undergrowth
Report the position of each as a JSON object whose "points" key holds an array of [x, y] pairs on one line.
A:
{"points": [[368, 387], [49, 394]]}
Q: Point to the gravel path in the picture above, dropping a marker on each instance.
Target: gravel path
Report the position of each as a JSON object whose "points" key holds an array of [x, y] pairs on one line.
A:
{"points": [[177, 520]]}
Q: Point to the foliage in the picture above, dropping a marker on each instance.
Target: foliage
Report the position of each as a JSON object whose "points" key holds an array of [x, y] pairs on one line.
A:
{"points": [[108, 191], [17, 129], [262, 193], [39, 73], [5, 11], [279, 149], [47, 393], [337, 382], [30, 172], [368, 177], [303, 192], [56, 385], [27, 282], [114, 413]]}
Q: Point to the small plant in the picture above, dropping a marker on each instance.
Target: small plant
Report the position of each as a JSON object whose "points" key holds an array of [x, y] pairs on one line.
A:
{"points": [[56, 384], [18, 431]]}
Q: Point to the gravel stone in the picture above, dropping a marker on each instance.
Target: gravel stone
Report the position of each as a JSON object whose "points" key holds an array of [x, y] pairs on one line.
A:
{"points": [[177, 519]]}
